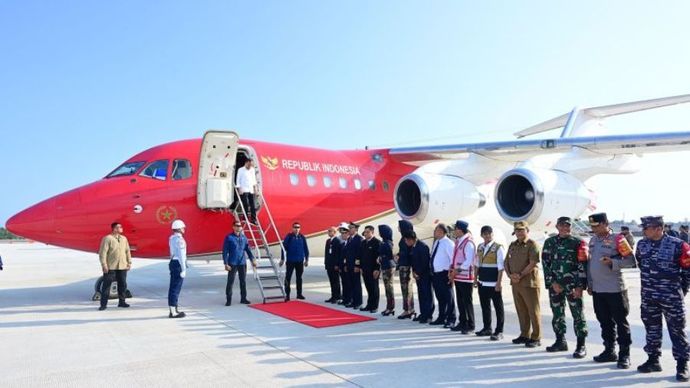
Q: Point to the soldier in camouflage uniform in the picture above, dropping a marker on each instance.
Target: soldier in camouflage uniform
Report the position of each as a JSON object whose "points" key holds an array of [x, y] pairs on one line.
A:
{"points": [[664, 263], [565, 278]]}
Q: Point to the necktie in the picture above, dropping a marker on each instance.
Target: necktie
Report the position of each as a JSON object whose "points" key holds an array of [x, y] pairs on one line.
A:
{"points": [[433, 253]]}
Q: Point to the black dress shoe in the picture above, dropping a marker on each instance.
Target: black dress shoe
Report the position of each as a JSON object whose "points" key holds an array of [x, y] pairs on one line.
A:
{"points": [[228, 303], [457, 328], [520, 340], [483, 333], [102, 308], [245, 302], [496, 336], [417, 318], [337, 301], [287, 298], [374, 311], [447, 325], [364, 309], [465, 332], [178, 315], [342, 302], [328, 300], [405, 316], [123, 305], [348, 305], [301, 297], [359, 306], [532, 343], [437, 322], [424, 321]]}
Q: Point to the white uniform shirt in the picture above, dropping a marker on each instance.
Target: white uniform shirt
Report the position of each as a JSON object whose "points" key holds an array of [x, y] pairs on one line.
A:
{"points": [[444, 254], [178, 251], [500, 259], [246, 180]]}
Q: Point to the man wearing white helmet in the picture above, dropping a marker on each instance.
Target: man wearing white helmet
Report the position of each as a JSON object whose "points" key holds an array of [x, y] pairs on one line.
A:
{"points": [[178, 267]]}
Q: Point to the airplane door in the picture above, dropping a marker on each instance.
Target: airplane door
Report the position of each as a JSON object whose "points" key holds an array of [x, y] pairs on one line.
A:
{"points": [[216, 169]]}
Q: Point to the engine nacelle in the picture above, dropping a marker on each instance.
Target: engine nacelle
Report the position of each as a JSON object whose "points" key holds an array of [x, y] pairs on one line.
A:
{"points": [[426, 197], [540, 196]]}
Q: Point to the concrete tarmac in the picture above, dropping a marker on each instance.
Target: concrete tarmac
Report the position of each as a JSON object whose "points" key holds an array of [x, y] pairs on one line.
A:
{"points": [[51, 334]]}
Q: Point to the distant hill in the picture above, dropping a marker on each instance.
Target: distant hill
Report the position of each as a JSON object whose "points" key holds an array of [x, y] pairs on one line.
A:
{"points": [[6, 235]]}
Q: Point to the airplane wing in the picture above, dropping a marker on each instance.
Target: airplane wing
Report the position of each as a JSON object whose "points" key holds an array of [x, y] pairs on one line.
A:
{"points": [[578, 125], [519, 150]]}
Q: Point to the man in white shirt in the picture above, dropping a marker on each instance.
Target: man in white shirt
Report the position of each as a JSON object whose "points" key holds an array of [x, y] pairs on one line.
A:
{"points": [[462, 273], [490, 259], [441, 259], [246, 184]]}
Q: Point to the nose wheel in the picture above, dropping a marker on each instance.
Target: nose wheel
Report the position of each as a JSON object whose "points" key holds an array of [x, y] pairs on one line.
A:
{"points": [[113, 290]]}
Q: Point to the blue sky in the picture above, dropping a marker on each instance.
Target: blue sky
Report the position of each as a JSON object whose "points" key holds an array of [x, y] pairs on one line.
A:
{"points": [[85, 85]]}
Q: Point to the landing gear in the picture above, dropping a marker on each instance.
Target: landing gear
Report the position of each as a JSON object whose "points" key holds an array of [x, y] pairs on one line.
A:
{"points": [[113, 290]]}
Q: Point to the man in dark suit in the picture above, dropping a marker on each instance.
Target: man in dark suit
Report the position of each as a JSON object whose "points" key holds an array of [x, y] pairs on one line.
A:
{"points": [[421, 265], [353, 248], [331, 261], [371, 268]]}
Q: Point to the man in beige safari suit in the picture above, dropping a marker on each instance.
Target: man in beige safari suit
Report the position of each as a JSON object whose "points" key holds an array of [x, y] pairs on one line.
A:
{"points": [[521, 266], [116, 260]]}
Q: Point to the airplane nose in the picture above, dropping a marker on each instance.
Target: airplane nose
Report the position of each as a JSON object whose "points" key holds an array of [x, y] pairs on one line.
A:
{"points": [[36, 222]]}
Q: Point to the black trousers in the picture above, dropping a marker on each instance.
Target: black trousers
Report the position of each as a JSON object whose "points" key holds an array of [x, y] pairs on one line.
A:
{"points": [[487, 295], [347, 285], [373, 292], [334, 279], [355, 286], [242, 271], [298, 268], [425, 295], [444, 295], [119, 275], [463, 293], [611, 309], [249, 205]]}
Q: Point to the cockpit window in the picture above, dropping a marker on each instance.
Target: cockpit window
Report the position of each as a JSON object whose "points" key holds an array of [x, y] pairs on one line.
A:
{"points": [[125, 169], [156, 170], [182, 169]]}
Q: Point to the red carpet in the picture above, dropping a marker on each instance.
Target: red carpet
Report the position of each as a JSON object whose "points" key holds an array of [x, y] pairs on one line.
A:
{"points": [[311, 314]]}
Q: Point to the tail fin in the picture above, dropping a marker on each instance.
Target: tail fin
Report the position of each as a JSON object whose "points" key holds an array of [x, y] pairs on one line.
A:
{"points": [[578, 121]]}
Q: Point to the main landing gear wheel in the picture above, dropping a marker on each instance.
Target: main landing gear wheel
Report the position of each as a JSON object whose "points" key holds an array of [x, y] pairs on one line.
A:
{"points": [[113, 290]]}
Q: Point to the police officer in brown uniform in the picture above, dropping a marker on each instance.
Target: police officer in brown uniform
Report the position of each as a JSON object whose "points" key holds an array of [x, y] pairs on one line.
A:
{"points": [[522, 270]]}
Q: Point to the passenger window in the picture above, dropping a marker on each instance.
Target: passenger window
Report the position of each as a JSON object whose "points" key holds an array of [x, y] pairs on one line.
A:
{"points": [[294, 179], [358, 184], [182, 169], [327, 181], [156, 170], [343, 183], [372, 185], [125, 169], [311, 181]]}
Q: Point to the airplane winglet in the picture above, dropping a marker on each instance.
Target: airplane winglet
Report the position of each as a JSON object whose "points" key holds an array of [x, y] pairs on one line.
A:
{"points": [[578, 118]]}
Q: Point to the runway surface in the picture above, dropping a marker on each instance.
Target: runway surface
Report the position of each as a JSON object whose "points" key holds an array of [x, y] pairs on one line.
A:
{"points": [[51, 334]]}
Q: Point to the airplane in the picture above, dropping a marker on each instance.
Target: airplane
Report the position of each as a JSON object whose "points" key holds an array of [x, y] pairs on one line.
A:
{"points": [[494, 183]]}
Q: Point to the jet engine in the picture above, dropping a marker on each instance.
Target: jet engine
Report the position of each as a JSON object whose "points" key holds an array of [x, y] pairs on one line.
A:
{"points": [[540, 196], [427, 197]]}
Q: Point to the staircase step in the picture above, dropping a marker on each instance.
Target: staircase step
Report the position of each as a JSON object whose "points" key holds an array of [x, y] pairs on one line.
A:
{"points": [[264, 267], [269, 277], [272, 287]]}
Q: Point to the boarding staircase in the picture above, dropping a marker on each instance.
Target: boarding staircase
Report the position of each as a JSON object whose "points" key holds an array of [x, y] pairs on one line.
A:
{"points": [[267, 271], [581, 229]]}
